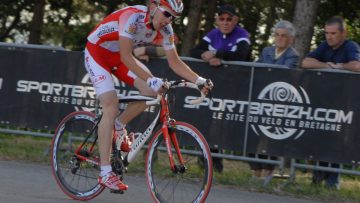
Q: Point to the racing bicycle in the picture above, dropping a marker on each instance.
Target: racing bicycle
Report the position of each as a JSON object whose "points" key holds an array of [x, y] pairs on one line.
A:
{"points": [[172, 168]]}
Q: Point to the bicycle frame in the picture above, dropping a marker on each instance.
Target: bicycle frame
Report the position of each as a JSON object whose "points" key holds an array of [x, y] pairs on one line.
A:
{"points": [[163, 117]]}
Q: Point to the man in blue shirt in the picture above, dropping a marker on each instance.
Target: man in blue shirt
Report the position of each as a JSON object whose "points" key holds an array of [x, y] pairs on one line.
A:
{"points": [[282, 52], [228, 41], [337, 51]]}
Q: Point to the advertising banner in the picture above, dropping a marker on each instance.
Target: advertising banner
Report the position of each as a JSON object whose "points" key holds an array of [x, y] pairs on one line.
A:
{"points": [[311, 113], [41, 86], [283, 112]]}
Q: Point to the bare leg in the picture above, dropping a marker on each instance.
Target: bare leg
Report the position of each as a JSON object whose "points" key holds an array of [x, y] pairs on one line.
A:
{"points": [[135, 108], [109, 103]]}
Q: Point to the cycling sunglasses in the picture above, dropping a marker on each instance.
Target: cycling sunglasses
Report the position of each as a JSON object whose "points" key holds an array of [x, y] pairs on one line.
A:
{"points": [[227, 19], [167, 14]]}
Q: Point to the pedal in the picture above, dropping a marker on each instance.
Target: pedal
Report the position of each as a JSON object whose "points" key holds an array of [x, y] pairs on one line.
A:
{"points": [[117, 191]]}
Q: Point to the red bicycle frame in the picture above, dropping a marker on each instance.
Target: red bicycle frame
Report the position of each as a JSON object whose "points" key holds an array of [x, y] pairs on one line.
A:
{"points": [[169, 138]]}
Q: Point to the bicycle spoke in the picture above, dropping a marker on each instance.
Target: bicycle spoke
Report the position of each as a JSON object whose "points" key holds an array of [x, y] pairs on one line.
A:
{"points": [[77, 177], [188, 184]]}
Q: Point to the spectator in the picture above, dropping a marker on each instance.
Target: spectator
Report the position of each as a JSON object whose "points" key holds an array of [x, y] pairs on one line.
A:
{"points": [[281, 53], [336, 52], [228, 41]]}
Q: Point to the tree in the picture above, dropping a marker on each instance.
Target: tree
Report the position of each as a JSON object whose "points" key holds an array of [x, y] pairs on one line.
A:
{"points": [[67, 22], [37, 22], [304, 21], [210, 13], [349, 9], [194, 17], [10, 18]]}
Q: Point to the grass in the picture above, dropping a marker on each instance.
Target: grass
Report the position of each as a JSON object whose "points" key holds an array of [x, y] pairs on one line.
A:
{"points": [[235, 173], [238, 174], [25, 148]]}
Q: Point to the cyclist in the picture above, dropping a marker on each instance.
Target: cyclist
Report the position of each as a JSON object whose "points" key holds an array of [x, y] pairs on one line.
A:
{"points": [[109, 51]]}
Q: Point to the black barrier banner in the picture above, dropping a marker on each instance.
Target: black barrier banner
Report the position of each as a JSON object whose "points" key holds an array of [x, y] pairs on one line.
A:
{"points": [[41, 86], [218, 118], [283, 112], [305, 112]]}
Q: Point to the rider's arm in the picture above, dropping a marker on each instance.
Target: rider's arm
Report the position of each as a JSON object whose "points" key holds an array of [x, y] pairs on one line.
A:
{"points": [[126, 48], [179, 67]]}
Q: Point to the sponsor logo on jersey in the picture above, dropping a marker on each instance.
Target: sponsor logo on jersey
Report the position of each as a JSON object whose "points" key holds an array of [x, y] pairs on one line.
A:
{"points": [[140, 17], [166, 30], [148, 34], [132, 29], [171, 39], [98, 79], [105, 29]]}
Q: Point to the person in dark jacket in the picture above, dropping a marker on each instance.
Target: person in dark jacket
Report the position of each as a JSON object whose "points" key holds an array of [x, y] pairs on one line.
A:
{"points": [[228, 42]]}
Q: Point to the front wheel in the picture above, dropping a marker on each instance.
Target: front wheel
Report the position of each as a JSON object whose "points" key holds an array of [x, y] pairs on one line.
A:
{"points": [[189, 185]]}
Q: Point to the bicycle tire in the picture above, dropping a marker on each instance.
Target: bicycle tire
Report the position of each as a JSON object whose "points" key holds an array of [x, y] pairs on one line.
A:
{"points": [[191, 186], [76, 178]]}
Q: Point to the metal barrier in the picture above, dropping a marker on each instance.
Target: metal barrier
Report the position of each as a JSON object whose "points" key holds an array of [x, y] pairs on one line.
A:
{"points": [[243, 154]]}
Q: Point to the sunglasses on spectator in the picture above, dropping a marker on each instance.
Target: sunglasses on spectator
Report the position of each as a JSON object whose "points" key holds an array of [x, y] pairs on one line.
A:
{"points": [[227, 19], [167, 14]]}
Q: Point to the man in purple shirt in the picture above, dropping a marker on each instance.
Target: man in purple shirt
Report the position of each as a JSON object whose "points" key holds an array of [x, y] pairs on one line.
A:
{"points": [[228, 41]]}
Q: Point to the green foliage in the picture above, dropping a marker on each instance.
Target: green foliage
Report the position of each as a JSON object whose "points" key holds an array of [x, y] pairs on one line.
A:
{"points": [[12, 22], [350, 10], [68, 22], [14, 147]]}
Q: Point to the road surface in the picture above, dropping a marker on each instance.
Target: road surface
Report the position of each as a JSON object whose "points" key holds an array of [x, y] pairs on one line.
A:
{"points": [[33, 183]]}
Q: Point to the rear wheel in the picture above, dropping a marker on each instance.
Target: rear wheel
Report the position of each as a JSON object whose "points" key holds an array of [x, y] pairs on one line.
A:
{"points": [[76, 176], [192, 182]]}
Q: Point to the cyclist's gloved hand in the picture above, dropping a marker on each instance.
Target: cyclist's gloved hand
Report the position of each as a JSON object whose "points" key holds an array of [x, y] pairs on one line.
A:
{"points": [[200, 81], [155, 83], [205, 84]]}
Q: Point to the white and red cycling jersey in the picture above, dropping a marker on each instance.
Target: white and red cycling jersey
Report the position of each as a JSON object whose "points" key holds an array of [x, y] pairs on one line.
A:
{"points": [[102, 53]]}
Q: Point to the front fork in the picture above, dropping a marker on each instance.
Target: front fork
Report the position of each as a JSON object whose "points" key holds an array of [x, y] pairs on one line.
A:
{"points": [[169, 133]]}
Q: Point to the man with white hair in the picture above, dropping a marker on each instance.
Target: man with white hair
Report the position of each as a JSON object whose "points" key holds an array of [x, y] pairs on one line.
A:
{"points": [[282, 52]]}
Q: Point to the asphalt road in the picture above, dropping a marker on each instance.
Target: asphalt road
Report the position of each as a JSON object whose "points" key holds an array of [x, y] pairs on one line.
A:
{"points": [[33, 183]]}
